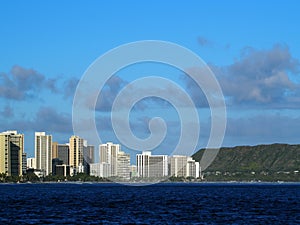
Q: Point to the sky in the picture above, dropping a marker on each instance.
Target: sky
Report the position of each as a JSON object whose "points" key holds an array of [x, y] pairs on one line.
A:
{"points": [[252, 48]]}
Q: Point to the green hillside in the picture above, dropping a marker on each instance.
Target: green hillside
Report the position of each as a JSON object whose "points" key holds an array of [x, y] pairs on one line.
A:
{"points": [[276, 161]]}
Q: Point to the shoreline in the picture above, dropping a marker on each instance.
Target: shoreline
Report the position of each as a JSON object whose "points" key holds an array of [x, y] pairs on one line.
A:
{"points": [[166, 183]]}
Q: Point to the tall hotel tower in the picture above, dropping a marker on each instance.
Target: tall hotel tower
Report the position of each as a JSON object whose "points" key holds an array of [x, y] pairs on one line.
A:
{"points": [[109, 154], [76, 153], [11, 151], [151, 165], [43, 152]]}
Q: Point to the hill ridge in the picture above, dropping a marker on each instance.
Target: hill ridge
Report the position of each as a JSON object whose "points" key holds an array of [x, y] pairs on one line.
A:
{"points": [[263, 157]]}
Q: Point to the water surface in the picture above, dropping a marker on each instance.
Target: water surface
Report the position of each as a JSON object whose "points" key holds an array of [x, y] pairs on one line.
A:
{"points": [[175, 203]]}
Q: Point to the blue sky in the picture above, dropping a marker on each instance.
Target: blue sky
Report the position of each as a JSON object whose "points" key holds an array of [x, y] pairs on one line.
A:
{"points": [[252, 47]]}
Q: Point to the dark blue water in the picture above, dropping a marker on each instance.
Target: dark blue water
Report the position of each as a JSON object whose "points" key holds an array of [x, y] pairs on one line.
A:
{"points": [[156, 204]]}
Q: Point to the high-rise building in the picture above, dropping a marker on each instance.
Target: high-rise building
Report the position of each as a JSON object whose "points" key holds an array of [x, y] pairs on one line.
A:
{"points": [[89, 153], [17, 150], [100, 169], [88, 156], [54, 150], [123, 165], [192, 168], [119, 162], [5, 155], [184, 166], [63, 153], [158, 166], [142, 163], [151, 165], [11, 153], [109, 154], [24, 163], [43, 152], [76, 152], [178, 165]]}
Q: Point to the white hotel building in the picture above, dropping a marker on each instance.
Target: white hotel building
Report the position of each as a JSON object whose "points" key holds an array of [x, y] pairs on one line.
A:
{"points": [[184, 166], [43, 152], [151, 165], [113, 162]]}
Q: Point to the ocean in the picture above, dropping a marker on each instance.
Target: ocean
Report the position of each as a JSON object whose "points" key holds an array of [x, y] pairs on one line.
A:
{"points": [[166, 203]]}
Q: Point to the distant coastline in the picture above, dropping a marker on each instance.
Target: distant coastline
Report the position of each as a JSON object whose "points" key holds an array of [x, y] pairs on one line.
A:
{"points": [[203, 183], [273, 163]]}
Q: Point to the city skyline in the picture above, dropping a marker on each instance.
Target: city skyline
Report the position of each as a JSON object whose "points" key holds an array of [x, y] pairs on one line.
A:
{"points": [[77, 157], [48, 149]]}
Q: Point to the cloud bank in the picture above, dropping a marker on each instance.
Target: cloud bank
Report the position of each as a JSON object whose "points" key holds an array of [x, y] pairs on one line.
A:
{"points": [[261, 77], [22, 84]]}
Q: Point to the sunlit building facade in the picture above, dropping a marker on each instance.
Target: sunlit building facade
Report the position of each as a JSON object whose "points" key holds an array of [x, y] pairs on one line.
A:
{"points": [[76, 152], [43, 152], [11, 153], [151, 165], [123, 165], [109, 154], [184, 166]]}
